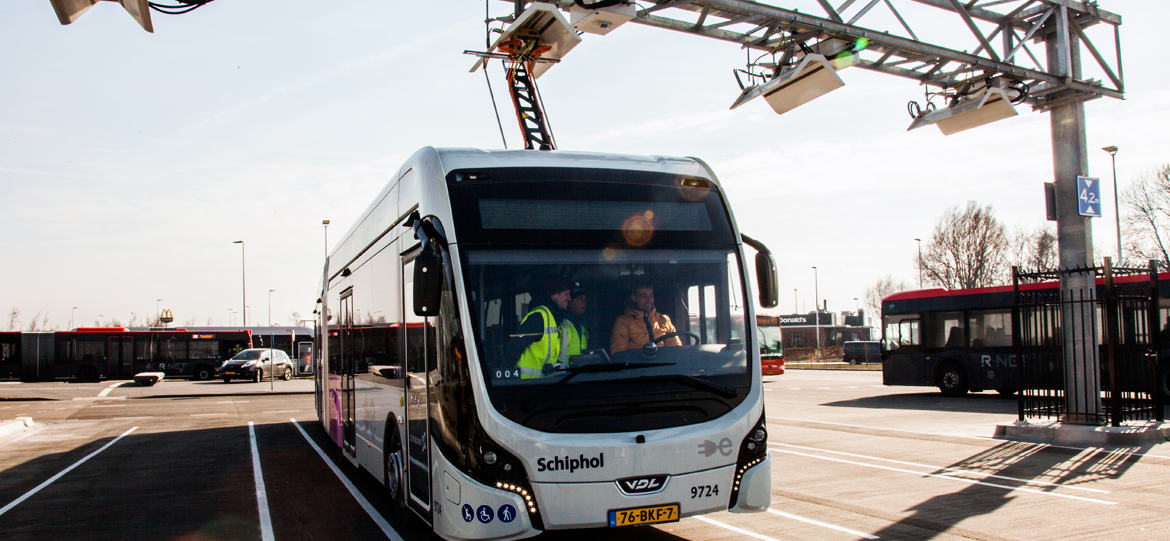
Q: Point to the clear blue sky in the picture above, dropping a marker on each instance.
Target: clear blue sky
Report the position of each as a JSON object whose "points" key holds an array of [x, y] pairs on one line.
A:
{"points": [[130, 161]]}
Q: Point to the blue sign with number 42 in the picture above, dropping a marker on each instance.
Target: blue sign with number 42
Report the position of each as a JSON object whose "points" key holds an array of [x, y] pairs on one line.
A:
{"points": [[1088, 197]]}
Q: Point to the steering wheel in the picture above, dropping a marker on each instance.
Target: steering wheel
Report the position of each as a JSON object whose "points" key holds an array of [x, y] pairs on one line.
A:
{"points": [[670, 335]]}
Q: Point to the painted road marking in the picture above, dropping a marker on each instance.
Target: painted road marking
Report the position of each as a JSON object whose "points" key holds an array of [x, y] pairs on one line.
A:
{"points": [[261, 494], [362, 501], [26, 495], [740, 531], [956, 470], [942, 476], [823, 524], [107, 390]]}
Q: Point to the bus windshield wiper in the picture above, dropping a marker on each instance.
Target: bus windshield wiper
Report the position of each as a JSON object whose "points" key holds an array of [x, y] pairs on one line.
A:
{"points": [[587, 369], [721, 390]]}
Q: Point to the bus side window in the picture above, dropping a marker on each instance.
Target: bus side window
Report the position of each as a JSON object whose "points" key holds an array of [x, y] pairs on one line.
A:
{"points": [[944, 330], [991, 328], [902, 334]]}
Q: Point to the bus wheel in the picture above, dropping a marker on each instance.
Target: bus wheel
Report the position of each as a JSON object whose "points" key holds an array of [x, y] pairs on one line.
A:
{"points": [[392, 471], [951, 380], [203, 373], [1164, 382], [87, 374]]}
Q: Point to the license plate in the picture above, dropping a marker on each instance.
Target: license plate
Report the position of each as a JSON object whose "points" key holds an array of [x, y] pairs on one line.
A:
{"points": [[643, 515], [230, 373]]}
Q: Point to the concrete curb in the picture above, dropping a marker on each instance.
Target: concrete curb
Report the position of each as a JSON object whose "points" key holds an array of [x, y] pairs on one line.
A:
{"points": [[15, 425], [1061, 434]]}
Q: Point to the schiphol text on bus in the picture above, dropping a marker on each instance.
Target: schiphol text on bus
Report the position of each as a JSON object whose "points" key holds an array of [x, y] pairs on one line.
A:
{"points": [[519, 341]]}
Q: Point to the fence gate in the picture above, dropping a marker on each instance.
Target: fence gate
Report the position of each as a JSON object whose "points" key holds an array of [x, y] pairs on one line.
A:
{"points": [[1124, 313]]}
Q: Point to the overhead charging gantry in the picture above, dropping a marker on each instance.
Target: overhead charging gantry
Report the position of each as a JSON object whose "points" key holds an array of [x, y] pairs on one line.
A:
{"points": [[537, 39]]}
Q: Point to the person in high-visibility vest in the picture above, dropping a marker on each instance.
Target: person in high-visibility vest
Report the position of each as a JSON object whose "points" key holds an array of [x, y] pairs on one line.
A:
{"points": [[576, 332], [538, 341]]}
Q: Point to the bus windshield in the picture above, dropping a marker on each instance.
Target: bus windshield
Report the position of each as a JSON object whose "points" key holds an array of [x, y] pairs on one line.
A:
{"points": [[577, 360]]}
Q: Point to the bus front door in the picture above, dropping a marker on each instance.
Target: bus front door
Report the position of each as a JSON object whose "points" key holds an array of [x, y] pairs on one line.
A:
{"points": [[120, 355], [348, 361], [418, 438]]}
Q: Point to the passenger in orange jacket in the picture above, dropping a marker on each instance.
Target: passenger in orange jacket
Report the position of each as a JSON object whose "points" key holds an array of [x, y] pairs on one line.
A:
{"points": [[633, 329]]}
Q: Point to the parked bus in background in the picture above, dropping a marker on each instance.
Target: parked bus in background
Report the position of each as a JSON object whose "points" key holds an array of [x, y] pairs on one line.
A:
{"points": [[455, 252], [297, 342], [771, 345], [960, 340], [95, 353], [10, 355]]}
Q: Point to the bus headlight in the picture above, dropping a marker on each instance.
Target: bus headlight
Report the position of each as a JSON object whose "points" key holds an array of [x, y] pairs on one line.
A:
{"points": [[752, 451]]}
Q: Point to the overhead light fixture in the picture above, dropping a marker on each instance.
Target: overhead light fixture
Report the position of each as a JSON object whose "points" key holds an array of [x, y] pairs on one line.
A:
{"points": [[600, 21], [545, 21], [971, 112], [70, 10], [810, 79]]}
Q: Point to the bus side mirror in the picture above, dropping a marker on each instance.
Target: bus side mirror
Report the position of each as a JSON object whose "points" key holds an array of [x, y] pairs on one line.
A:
{"points": [[766, 280], [428, 282]]}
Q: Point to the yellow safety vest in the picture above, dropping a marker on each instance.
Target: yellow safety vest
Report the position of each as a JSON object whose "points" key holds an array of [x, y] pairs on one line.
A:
{"points": [[576, 339], [543, 351]]}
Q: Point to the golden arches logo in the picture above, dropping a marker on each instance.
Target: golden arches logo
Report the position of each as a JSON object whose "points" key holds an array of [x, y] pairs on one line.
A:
{"points": [[165, 316]]}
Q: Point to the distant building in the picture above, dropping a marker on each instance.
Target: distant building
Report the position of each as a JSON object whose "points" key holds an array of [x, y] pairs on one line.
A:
{"points": [[800, 330]]}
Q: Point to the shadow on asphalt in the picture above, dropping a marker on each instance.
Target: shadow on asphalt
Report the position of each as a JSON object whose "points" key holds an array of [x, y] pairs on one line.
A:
{"points": [[972, 403], [944, 513]]}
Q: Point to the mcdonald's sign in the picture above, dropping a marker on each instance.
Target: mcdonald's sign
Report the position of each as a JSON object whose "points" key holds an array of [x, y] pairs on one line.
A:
{"points": [[166, 316]]}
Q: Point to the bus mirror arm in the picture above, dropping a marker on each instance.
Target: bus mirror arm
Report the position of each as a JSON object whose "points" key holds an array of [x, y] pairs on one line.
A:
{"points": [[766, 279]]}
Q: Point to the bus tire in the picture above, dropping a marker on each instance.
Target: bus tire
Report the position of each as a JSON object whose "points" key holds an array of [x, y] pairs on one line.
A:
{"points": [[87, 374], [952, 381], [392, 474], [1164, 382], [203, 373]]}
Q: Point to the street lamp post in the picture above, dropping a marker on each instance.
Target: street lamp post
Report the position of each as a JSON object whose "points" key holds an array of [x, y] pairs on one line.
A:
{"points": [[270, 306], [243, 284], [157, 314], [817, 309], [795, 302], [919, 241], [326, 224], [1112, 150]]}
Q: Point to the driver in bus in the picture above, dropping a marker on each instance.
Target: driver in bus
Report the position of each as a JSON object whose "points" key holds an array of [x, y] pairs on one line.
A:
{"points": [[634, 328], [537, 343]]}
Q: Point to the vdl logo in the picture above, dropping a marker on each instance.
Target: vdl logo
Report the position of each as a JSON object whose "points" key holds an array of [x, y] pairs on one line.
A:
{"points": [[642, 485]]}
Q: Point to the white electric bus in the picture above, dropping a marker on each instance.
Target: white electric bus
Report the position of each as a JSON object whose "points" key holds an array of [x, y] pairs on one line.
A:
{"points": [[422, 392]]}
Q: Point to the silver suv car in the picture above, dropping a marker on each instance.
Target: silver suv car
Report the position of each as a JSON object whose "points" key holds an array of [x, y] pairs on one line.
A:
{"points": [[256, 364]]}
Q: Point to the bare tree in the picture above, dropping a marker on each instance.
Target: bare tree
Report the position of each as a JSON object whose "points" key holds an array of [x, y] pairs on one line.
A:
{"points": [[295, 319], [35, 323], [14, 319], [190, 322], [967, 249], [210, 322], [881, 289], [1147, 202], [1034, 250], [115, 322]]}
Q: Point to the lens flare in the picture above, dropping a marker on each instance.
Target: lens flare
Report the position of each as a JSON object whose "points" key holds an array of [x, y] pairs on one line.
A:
{"points": [[638, 229]]}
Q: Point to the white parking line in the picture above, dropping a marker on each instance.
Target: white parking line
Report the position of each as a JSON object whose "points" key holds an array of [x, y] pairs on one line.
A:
{"points": [[362, 501], [261, 494], [107, 390], [740, 531], [823, 524], [880, 428], [957, 470], [28, 494], [942, 476]]}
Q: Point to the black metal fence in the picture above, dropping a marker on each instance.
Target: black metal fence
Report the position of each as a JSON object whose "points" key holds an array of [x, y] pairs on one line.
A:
{"points": [[1119, 316]]}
